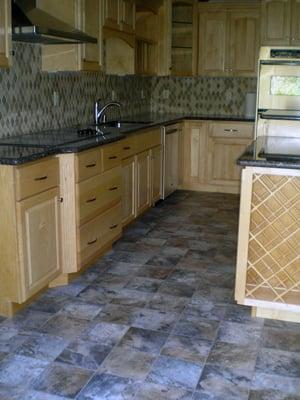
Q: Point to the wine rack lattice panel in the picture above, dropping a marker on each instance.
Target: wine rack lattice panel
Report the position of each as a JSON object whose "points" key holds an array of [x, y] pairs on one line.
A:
{"points": [[273, 270]]}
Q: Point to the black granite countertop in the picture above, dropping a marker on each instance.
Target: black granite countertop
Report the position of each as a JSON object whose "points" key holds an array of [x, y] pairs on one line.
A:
{"points": [[19, 149], [272, 152]]}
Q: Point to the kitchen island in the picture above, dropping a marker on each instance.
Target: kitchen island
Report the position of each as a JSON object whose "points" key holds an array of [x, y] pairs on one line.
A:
{"points": [[268, 260]]}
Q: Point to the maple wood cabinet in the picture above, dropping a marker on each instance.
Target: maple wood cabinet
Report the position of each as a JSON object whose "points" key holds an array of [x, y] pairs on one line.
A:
{"points": [[5, 34], [229, 39], [280, 22], [171, 159], [30, 237], [128, 190], [156, 173], [119, 14]]}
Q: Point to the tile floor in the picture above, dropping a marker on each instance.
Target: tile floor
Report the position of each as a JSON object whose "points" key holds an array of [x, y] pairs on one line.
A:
{"points": [[154, 319]]}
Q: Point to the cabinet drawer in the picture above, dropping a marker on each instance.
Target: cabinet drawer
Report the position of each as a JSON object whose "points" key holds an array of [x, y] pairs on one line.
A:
{"points": [[128, 147], [99, 232], [88, 163], [36, 177], [232, 129], [147, 140], [111, 156], [97, 193]]}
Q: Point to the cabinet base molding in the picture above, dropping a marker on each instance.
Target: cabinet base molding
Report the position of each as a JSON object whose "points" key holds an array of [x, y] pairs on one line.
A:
{"points": [[200, 187], [281, 315], [8, 309]]}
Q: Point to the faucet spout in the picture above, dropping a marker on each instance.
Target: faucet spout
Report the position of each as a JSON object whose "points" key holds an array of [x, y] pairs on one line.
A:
{"points": [[100, 116]]}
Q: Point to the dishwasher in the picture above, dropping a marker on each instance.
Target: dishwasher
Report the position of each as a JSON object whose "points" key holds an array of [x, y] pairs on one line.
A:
{"points": [[171, 137]]}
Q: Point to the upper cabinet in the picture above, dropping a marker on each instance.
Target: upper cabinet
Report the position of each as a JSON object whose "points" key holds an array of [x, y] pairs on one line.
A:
{"points": [[5, 33], [183, 38], [119, 15], [228, 39], [280, 22]]}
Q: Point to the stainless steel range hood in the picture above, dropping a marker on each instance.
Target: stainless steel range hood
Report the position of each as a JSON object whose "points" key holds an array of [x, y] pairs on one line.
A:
{"points": [[33, 25]]}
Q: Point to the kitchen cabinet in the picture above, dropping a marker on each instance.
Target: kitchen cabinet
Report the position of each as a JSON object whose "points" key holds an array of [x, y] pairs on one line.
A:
{"points": [[128, 190], [30, 245], [171, 159], [5, 34], [229, 39], [119, 15], [128, 16], [156, 174], [280, 22], [143, 181]]}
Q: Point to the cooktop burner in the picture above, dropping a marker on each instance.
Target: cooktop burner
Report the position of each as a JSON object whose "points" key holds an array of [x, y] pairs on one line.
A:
{"points": [[85, 132]]}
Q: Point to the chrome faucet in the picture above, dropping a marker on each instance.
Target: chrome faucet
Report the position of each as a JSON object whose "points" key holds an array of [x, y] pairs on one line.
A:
{"points": [[100, 116]]}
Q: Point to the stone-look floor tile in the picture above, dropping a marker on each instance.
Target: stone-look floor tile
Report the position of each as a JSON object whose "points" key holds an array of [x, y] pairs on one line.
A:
{"points": [[144, 340], [28, 320], [84, 354], [189, 277], [151, 391], [164, 260], [129, 297], [50, 304], [268, 381], [130, 257], [180, 289], [202, 329], [128, 363], [279, 362], [223, 383], [42, 346], [64, 326], [62, 380], [81, 310], [12, 392], [281, 339], [169, 371], [290, 326], [241, 314], [229, 355], [109, 387], [3, 355], [164, 302], [172, 251], [241, 334], [126, 269], [215, 294], [35, 395], [204, 310], [195, 350], [95, 294], [16, 370], [271, 394], [154, 272], [154, 319], [12, 343], [72, 289], [111, 281], [144, 284], [105, 333], [117, 314], [153, 242]]}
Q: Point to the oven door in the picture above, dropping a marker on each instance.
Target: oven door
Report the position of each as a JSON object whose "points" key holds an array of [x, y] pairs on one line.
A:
{"points": [[279, 87]]}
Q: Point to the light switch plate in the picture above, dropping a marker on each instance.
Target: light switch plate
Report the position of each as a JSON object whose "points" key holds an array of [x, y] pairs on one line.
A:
{"points": [[166, 94]]}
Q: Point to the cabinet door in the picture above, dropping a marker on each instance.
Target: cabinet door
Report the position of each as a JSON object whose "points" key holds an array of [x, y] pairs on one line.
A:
{"points": [[5, 33], [39, 235], [171, 162], [91, 52], [222, 156], [143, 198], [128, 16], [112, 13], [275, 22], [243, 42], [128, 190], [156, 173], [212, 43], [295, 37]]}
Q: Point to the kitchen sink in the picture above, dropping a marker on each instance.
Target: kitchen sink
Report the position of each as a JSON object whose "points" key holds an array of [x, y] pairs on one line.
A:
{"points": [[124, 124]]}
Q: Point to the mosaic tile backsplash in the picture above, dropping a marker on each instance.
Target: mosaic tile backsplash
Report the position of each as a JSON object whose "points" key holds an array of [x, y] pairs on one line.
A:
{"points": [[26, 94]]}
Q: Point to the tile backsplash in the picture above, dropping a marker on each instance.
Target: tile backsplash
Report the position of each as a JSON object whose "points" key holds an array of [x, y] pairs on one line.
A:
{"points": [[26, 94]]}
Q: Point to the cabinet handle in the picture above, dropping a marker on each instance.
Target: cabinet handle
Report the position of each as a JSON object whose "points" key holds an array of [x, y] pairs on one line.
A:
{"points": [[113, 188], [126, 148], [113, 226], [41, 178], [90, 165], [91, 200], [171, 131], [230, 130], [112, 157], [92, 241]]}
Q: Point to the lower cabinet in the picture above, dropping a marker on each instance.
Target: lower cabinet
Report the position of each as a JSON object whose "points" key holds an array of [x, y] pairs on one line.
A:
{"points": [[30, 240], [143, 193], [156, 173], [171, 159], [128, 190]]}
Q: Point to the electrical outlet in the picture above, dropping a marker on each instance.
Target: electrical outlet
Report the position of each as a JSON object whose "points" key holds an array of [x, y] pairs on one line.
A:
{"points": [[166, 94], [113, 95], [228, 95], [142, 94], [56, 99]]}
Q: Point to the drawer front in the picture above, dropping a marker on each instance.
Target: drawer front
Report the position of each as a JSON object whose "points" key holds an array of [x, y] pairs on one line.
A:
{"points": [[99, 232], [96, 194], [87, 164], [111, 156], [128, 147], [232, 129], [148, 139], [36, 177]]}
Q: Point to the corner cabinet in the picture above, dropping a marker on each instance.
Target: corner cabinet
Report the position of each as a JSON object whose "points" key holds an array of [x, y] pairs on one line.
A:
{"points": [[30, 241], [5, 34]]}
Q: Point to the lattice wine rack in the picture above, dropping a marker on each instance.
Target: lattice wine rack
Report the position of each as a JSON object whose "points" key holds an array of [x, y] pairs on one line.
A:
{"points": [[273, 270]]}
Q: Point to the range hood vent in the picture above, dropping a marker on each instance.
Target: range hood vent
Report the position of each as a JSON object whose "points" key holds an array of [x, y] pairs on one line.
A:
{"points": [[32, 25]]}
